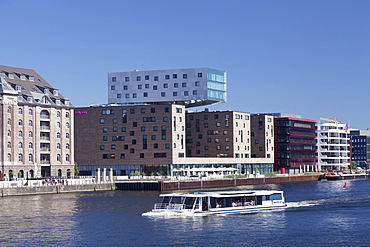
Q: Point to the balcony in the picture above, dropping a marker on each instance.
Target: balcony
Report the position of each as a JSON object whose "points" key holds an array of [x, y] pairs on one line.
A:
{"points": [[44, 127]]}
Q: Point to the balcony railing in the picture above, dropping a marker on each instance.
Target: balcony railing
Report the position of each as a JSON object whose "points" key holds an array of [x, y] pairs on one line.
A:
{"points": [[45, 127]]}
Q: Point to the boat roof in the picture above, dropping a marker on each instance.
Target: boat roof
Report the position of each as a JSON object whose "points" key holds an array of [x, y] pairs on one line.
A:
{"points": [[225, 193]]}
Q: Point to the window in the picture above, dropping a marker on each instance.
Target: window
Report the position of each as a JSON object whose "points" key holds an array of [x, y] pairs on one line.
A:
{"points": [[20, 111], [67, 114], [30, 157], [67, 125], [165, 85], [146, 77], [132, 133], [195, 92], [105, 130], [185, 76], [200, 74], [134, 124], [127, 78], [30, 145], [29, 122], [154, 137], [20, 133], [155, 87], [105, 138], [114, 79], [102, 147], [102, 120], [134, 95], [123, 129], [113, 146], [163, 94], [174, 94], [30, 134], [127, 95], [132, 150], [119, 96], [67, 135], [142, 110], [140, 86], [20, 145], [142, 129], [20, 157], [147, 86], [165, 119], [109, 156], [167, 77], [112, 87], [175, 85], [145, 94], [8, 121], [132, 111], [67, 146], [155, 78], [8, 110], [123, 156], [186, 93], [115, 129], [155, 128], [197, 83], [141, 155], [183, 84], [30, 112], [167, 146], [125, 87], [174, 76], [138, 78]]}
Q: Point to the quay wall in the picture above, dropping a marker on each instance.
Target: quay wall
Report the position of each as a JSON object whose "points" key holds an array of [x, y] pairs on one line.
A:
{"points": [[214, 183], [235, 182], [55, 189]]}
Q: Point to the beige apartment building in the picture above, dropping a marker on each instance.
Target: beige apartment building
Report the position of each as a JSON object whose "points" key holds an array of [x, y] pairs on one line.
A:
{"points": [[37, 126]]}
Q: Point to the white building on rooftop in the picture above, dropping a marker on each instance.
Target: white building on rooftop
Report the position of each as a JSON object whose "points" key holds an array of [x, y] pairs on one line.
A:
{"points": [[189, 87]]}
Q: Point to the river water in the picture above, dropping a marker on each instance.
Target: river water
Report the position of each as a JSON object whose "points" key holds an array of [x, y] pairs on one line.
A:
{"points": [[321, 213]]}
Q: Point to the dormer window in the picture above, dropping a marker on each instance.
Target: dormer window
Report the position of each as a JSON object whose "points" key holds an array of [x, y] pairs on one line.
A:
{"points": [[57, 101], [20, 99], [66, 102], [29, 99], [11, 75], [2, 74], [46, 91], [23, 77], [32, 78], [18, 88], [55, 92]]}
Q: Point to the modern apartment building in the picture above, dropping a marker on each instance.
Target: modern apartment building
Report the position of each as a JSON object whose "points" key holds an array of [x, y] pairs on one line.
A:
{"points": [[295, 145], [333, 145], [154, 138], [129, 139], [360, 147], [218, 134], [37, 126], [189, 87], [262, 136]]}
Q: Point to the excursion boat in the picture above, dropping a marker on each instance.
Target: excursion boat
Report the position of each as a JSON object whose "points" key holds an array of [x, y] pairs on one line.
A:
{"points": [[217, 202]]}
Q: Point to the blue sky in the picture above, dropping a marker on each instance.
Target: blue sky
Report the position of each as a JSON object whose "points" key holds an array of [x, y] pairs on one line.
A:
{"points": [[303, 57]]}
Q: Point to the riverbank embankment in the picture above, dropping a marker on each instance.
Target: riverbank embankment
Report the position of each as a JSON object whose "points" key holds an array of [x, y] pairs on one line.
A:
{"points": [[212, 183], [36, 187]]}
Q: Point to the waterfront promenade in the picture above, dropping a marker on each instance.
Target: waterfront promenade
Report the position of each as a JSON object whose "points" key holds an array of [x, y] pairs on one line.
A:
{"points": [[53, 186]]}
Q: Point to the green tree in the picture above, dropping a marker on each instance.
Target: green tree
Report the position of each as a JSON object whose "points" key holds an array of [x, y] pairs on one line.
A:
{"points": [[76, 169]]}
